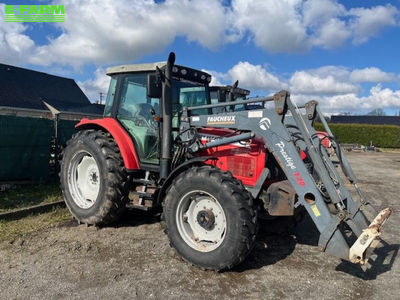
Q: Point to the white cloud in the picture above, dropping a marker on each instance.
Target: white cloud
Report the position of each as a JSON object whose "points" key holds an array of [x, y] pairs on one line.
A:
{"points": [[116, 31], [331, 34], [14, 44], [323, 18], [254, 77], [296, 26], [250, 76], [371, 74], [93, 87], [217, 78], [316, 12], [337, 88], [113, 31], [322, 81], [377, 97], [368, 22], [332, 80], [274, 25]]}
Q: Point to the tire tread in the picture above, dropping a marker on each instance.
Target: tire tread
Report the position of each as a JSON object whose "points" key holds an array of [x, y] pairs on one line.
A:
{"points": [[116, 190]]}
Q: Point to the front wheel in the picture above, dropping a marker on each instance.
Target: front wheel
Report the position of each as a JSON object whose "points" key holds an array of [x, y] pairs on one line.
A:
{"points": [[210, 218]]}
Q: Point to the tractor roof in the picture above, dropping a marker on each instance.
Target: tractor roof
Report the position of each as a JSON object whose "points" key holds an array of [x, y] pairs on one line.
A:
{"points": [[178, 71], [229, 88], [135, 68]]}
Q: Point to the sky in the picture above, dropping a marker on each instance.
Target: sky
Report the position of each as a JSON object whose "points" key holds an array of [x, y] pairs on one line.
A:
{"points": [[345, 54]]}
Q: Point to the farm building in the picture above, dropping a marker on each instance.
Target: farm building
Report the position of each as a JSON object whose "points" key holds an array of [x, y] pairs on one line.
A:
{"points": [[38, 112], [378, 120]]}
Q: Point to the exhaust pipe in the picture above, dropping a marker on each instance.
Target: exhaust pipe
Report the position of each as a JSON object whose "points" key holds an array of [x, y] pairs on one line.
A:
{"points": [[166, 106]]}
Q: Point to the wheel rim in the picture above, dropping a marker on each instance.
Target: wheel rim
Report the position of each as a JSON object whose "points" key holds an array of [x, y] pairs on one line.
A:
{"points": [[84, 179], [201, 221]]}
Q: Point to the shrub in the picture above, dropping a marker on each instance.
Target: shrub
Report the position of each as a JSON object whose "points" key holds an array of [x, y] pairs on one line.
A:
{"points": [[387, 136]]}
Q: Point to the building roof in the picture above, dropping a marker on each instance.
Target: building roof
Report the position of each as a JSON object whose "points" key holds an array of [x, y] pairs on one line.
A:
{"points": [[23, 88], [135, 68], [386, 120]]}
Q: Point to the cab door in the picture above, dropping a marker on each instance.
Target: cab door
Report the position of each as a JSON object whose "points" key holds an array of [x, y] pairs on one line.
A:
{"points": [[136, 113]]}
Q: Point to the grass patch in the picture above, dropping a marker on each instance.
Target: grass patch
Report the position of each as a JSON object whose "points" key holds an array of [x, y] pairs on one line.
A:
{"points": [[9, 230], [30, 194]]}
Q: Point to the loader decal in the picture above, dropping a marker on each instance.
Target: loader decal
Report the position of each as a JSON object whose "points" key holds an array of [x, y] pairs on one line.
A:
{"points": [[315, 210], [285, 155], [299, 179], [218, 120], [265, 123]]}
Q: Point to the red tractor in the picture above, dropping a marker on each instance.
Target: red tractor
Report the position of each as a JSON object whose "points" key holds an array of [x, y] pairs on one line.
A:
{"points": [[162, 144]]}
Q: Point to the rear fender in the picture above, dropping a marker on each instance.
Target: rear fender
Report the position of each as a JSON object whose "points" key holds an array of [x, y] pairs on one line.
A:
{"points": [[121, 137]]}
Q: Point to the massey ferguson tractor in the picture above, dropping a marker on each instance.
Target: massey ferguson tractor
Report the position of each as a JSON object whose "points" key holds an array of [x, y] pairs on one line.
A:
{"points": [[159, 144]]}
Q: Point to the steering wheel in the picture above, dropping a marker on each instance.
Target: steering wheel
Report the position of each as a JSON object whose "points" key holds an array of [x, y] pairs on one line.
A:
{"points": [[138, 118]]}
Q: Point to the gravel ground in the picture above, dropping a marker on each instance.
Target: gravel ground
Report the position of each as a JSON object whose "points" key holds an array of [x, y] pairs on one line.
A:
{"points": [[133, 258]]}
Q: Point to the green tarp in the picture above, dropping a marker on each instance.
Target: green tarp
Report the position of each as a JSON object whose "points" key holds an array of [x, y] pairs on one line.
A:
{"points": [[25, 146], [66, 129]]}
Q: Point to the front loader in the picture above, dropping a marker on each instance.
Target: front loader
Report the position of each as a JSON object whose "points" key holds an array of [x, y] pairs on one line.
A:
{"points": [[163, 144]]}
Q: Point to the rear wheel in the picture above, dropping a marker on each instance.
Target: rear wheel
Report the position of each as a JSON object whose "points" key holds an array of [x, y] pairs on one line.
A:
{"points": [[93, 179], [210, 218]]}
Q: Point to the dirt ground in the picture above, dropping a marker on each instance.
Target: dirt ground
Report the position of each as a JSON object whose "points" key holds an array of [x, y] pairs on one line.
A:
{"points": [[133, 259]]}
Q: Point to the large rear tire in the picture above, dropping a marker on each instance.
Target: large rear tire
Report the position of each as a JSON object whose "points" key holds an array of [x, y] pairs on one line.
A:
{"points": [[210, 218], [93, 180]]}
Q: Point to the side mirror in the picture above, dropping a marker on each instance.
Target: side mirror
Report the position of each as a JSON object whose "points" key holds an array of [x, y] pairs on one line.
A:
{"points": [[221, 94], [154, 86]]}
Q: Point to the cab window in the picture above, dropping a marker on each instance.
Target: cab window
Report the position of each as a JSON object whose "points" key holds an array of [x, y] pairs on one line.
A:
{"points": [[189, 94], [110, 97], [136, 113]]}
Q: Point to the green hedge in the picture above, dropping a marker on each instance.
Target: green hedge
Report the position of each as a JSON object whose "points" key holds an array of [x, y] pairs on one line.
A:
{"points": [[387, 136]]}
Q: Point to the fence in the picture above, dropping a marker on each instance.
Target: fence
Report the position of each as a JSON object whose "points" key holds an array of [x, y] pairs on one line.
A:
{"points": [[30, 140]]}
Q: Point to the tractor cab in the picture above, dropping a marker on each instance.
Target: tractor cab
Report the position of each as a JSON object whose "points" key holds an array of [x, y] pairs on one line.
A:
{"points": [[228, 93], [134, 100]]}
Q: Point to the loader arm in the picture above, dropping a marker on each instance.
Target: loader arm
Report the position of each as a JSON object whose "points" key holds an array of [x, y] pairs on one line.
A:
{"points": [[285, 132]]}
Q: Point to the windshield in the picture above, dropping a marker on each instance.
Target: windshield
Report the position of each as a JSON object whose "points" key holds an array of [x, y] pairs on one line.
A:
{"points": [[214, 100], [240, 106], [189, 94]]}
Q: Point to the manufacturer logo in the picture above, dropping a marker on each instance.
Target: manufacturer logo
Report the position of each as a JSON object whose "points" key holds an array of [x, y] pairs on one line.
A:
{"points": [[216, 120], [34, 13], [286, 157], [265, 123]]}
